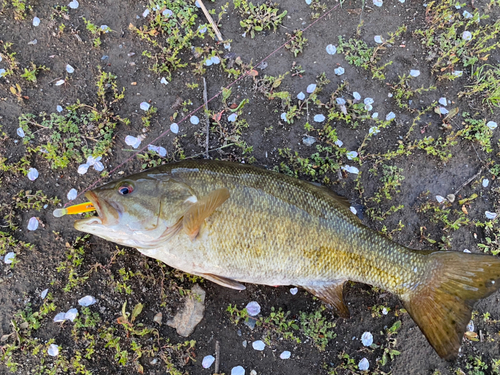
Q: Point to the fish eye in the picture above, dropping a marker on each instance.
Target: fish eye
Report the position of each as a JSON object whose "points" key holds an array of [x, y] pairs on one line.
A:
{"points": [[125, 189]]}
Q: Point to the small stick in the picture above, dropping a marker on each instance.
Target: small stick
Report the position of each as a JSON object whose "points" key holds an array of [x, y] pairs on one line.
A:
{"points": [[217, 354], [469, 180], [209, 18], [206, 116]]}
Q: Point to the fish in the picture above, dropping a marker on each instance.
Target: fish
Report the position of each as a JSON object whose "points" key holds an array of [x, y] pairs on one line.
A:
{"points": [[234, 224]]}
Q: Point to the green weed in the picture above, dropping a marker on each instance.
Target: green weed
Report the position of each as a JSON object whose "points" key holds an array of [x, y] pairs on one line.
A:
{"points": [[258, 18]]}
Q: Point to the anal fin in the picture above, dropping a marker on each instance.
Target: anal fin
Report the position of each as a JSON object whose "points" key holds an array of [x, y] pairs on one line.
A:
{"points": [[331, 293], [203, 208], [224, 281]]}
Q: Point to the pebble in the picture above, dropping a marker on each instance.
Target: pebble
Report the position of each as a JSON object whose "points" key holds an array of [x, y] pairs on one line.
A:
{"points": [[285, 355], [208, 361], [238, 370], [258, 345], [87, 301]]}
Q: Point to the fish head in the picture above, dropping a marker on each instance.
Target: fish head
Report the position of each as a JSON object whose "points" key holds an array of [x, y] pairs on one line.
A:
{"points": [[137, 211]]}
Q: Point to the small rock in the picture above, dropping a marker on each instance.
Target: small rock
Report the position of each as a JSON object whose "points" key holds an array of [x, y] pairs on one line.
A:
{"points": [[194, 308], [451, 198], [158, 317]]}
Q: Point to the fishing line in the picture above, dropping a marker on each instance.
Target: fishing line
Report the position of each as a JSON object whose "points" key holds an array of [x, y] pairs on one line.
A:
{"points": [[244, 75]]}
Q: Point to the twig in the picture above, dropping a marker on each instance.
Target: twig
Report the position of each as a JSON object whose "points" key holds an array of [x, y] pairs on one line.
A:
{"points": [[469, 180], [212, 23], [206, 116], [217, 355]]}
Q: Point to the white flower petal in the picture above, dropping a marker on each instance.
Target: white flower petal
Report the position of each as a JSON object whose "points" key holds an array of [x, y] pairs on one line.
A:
{"points": [[53, 350], [238, 370], [2, 72], [253, 308], [74, 4], [367, 338], [470, 326], [339, 71], [70, 69], [319, 118], [33, 224], [467, 15], [60, 317], [194, 120], [285, 355], [378, 3], [32, 174], [458, 73], [486, 182], [440, 198], [36, 21], [339, 143], [59, 109], [414, 72], [311, 88], [363, 365], [145, 13], [351, 155], [375, 115], [374, 130], [294, 291], [215, 60], [390, 116], [83, 168], [164, 81], [233, 116], [174, 128], [368, 101], [60, 82], [135, 142], [9, 257], [144, 106], [492, 125], [353, 210], [207, 361], [308, 140], [331, 49], [340, 101], [356, 95], [71, 314], [167, 13], [44, 293], [258, 345], [350, 169], [301, 96], [443, 101], [72, 194], [490, 215], [98, 166], [466, 35], [20, 132], [208, 62]]}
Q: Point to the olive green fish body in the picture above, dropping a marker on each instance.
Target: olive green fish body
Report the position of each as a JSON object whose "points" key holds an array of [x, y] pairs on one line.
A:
{"points": [[236, 224]]}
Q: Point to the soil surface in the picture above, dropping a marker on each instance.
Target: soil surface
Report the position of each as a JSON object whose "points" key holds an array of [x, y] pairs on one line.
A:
{"points": [[392, 191]]}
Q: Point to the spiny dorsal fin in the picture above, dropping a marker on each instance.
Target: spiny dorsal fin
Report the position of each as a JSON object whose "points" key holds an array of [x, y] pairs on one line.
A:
{"points": [[333, 294], [224, 281], [442, 304], [199, 211]]}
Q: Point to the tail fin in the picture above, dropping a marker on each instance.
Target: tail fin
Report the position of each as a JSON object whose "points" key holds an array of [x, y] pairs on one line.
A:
{"points": [[442, 305]]}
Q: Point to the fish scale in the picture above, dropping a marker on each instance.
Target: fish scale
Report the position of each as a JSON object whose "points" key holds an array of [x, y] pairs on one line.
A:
{"points": [[234, 224]]}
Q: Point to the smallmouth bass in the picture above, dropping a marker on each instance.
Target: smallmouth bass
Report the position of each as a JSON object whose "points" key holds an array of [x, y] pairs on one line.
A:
{"points": [[234, 224]]}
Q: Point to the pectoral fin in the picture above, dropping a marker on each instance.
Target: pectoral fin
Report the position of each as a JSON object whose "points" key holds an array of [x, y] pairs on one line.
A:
{"points": [[203, 208], [228, 283], [332, 294]]}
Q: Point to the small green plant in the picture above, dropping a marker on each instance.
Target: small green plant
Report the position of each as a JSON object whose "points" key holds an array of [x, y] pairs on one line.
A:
{"points": [[296, 45], [31, 74], [278, 324], [96, 31], [258, 18], [236, 314], [317, 327]]}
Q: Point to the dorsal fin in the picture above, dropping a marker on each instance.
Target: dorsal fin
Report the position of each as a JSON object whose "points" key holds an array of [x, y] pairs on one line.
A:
{"points": [[333, 294], [199, 211]]}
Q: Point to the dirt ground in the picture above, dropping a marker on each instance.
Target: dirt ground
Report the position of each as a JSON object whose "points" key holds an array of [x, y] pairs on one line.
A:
{"points": [[402, 165]]}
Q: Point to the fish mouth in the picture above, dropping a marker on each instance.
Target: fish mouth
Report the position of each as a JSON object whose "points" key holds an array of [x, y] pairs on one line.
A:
{"points": [[107, 213]]}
